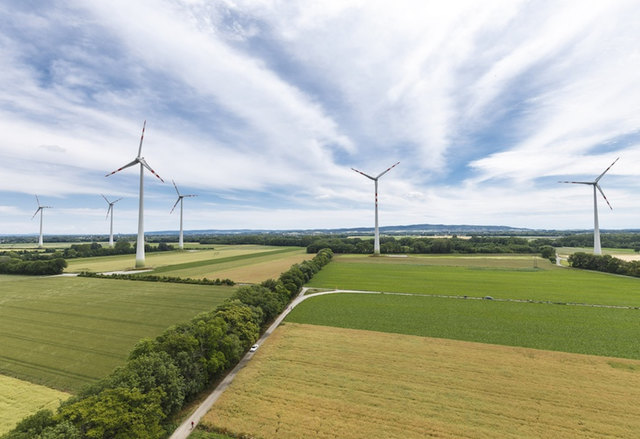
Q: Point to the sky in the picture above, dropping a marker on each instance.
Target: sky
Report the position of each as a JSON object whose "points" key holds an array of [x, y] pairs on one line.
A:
{"points": [[262, 107]]}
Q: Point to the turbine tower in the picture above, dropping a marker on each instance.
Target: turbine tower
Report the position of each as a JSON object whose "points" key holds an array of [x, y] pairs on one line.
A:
{"points": [[180, 200], [376, 241], [143, 164], [41, 210], [597, 250], [110, 210]]}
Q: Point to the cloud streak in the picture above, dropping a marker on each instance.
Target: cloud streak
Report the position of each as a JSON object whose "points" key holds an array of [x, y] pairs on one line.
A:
{"points": [[262, 108]]}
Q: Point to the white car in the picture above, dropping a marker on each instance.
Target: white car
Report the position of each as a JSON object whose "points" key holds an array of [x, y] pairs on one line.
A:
{"points": [[254, 348]]}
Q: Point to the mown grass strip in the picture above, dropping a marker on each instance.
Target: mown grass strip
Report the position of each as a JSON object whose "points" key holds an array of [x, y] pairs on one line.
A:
{"points": [[585, 330], [208, 262]]}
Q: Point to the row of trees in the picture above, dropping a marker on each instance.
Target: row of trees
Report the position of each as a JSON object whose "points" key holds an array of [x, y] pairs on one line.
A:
{"points": [[605, 263], [156, 278], [161, 375], [50, 266], [121, 247], [611, 240], [475, 244]]}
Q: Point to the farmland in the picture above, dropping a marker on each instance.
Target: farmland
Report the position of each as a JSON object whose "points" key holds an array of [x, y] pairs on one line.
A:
{"points": [[508, 278], [66, 332], [314, 381], [420, 364], [241, 263], [20, 398], [578, 329]]}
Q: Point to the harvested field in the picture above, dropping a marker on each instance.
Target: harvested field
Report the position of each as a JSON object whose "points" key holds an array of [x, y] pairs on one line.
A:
{"points": [[21, 398], [321, 382]]}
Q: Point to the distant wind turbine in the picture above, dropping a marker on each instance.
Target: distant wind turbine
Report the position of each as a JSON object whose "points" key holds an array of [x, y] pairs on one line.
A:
{"points": [[180, 200], [143, 164], [376, 241], [597, 250], [41, 210], [110, 211]]}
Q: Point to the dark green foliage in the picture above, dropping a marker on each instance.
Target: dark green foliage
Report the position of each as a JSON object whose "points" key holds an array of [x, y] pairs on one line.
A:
{"points": [[156, 278], [389, 245], [549, 253], [116, 413], [9, 265], [121, 247], [605, 263]]}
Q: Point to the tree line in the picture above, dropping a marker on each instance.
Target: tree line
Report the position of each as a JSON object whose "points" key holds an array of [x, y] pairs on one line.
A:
{"points": [[156, 278], [604, 263], [161, 375], [475, 244], [41, 267]]}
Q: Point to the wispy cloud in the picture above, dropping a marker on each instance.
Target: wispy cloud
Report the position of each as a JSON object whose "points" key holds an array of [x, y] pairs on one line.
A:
{"points": [[262, 107]]}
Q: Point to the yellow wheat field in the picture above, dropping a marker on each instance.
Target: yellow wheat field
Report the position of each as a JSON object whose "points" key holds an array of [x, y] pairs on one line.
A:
{"points": [[312, 381], [19, 399]]}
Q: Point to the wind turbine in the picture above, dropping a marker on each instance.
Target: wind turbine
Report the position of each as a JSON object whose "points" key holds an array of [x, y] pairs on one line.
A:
{"points": [[41, 210], [110, 210], [376, 241], [597, 250], [180, 200], [143, 164]]}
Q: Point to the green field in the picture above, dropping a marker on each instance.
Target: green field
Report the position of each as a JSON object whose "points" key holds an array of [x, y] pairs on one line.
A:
{"points": [[508, 278], [578, 329], [188, 263], [65, 332], [20, 398]]}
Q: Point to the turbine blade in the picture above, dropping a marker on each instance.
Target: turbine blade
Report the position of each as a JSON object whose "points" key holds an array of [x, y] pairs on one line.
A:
{"points": [[141, 138], [144, 163], [605, 171], [38, 210], [116, 201], [105, 199], [174, 185], [135, 161], [109, 210], [604, 196], [388, 169], [189, 196], [174, 206], [577, 182], [360, 172], [38, 200]]}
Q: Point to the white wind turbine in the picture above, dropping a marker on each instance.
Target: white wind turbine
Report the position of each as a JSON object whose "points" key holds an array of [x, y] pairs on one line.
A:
{"points": [[41, 210], [376, 241], [180, 200], [143, 164], [597, 250], [110, 211]]}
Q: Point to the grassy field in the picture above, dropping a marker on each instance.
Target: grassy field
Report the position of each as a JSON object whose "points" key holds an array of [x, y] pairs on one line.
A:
{"points": [[20, 398], [506, 277], [577, 329], [220, 262], [321, 382], [65, 332]]}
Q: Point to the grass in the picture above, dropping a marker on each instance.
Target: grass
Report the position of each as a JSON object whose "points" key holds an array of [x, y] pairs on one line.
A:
{"points": [[509, 278], [578, 329], [65, 332], [20, 398], [321, 382]]}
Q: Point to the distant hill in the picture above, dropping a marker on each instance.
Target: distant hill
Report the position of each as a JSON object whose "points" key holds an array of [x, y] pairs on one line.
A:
{"points": [[414, 229]]}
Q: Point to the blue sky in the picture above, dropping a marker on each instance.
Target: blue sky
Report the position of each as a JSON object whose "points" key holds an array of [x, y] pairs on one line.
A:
{"points": [[262, 107]]}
